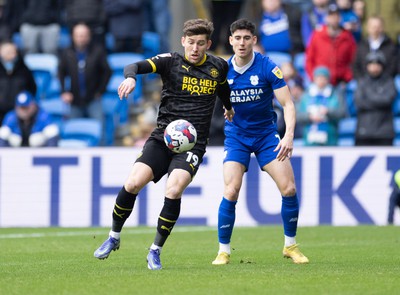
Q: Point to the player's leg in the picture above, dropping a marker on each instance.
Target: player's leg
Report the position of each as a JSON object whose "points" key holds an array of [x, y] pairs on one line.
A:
{"points": [[282, 173], [152, 164], [236, 163], [392, 203], [233, 174], [139, 176], [177, 181], [398, 201], [182, 169]]}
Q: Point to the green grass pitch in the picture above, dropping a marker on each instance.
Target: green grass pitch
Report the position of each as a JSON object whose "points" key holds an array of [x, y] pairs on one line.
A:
{"points": [[343, 260]]}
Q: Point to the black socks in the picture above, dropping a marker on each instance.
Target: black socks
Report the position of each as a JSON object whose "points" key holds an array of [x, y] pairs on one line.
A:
{"points": [[122, 209], [167, 219]]}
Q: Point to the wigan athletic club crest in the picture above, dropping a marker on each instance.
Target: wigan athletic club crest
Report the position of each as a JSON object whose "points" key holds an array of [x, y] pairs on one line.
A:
{"points": [[214, 73]]}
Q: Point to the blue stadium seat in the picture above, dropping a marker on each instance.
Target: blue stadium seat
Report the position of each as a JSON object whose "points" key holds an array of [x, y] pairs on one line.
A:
{"points": [[17, 40], [299, 62], [150, 44], [43, 81], [349, 97], [396, 123], [44, 69], [54, 88], [133, 99], [65, 38], [279, 57], [111, 105], [119, 60], [115, 81], [87, 130], [346, 131], [396, 103], [110, 42], [42, 61], [57, 109], [351, 87]]}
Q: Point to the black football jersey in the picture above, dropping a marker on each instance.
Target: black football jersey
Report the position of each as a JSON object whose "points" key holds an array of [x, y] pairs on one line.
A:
{"points": [[189, 91]]}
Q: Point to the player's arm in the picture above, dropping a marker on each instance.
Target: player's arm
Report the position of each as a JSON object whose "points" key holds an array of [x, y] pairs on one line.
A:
{"points": [[156, 64], [285, 146], [130, 72], [224, 93]]}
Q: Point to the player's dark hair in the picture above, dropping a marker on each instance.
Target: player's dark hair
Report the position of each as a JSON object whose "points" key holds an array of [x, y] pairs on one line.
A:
{"points": [[243, 24], [198, 27]]}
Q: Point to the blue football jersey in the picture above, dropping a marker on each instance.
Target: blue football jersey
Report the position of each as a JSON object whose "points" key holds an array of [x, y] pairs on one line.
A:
{"points": [[252, 96]]}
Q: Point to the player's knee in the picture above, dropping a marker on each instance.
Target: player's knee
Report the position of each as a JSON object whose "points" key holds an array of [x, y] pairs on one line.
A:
{"points": [[289, 190], [231, 193], [174, 192], [132, 187]]}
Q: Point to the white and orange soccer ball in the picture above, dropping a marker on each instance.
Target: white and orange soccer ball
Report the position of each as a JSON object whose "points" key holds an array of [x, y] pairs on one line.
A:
{"points": [[180, 136]]}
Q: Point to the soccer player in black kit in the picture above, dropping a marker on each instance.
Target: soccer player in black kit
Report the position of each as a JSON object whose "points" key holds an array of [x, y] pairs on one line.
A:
{"points": [[191, 84]]}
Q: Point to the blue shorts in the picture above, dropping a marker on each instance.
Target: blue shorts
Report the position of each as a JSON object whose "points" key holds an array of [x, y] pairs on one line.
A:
{"points": [[238, 148]]}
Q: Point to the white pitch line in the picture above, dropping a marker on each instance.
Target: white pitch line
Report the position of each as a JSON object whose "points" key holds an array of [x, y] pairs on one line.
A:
{"points": [[97, 232]]}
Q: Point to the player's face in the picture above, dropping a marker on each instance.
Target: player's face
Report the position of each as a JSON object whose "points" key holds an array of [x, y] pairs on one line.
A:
{"points": [[195, 47], [242, 42]]}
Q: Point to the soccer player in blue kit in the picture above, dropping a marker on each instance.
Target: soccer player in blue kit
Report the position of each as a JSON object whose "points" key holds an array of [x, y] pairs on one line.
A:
{"points": [[254, 80]]}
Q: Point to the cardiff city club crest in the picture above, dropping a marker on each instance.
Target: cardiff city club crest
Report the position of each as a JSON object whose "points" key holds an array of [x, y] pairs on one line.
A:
{"points": [[254, 80]]}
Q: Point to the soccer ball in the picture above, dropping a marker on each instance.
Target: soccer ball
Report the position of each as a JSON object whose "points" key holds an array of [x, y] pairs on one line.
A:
{"points": [[180, 136]]}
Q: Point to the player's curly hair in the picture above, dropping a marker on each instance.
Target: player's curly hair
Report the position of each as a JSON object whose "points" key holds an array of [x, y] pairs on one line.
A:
{"points": [[243, 24], [198, 27]]}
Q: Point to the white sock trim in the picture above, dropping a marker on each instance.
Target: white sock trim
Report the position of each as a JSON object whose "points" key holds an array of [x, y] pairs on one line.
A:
{"points": [[289, 241], [224, 248], [155, 247], [114, 234]]}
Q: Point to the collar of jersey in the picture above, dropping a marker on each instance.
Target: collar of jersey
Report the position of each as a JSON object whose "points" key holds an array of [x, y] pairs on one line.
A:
{"points": [[243, 69], [200, 62]]}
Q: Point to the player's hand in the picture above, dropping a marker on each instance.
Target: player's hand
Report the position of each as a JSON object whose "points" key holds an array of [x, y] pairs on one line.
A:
{"points": [[126, 87], [285, 148], [229, 114]]}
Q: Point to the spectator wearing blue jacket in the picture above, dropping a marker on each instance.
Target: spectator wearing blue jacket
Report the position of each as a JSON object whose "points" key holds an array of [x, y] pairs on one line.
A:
{"points": [[280, 27], [349, 19], [313, 18], [28, 125]]}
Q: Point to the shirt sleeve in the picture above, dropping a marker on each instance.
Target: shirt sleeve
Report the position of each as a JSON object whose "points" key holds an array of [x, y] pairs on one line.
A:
{"points": [[224, 91]]}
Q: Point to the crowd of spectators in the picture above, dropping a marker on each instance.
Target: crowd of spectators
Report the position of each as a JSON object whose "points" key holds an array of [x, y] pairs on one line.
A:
{"points": [[80, 35], [337, 38], [317, 39]]}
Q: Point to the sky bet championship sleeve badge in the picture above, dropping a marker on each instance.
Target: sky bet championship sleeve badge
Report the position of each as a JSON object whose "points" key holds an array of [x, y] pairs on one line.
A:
{"points": [[277, 72]]}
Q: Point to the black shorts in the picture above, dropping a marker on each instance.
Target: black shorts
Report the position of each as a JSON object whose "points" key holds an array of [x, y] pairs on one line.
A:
{"points": [[162, 161]]}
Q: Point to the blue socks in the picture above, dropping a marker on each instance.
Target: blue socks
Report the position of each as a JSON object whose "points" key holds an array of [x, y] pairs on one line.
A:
{"points": [[227, 215], [226, 220], [290, 214]]}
